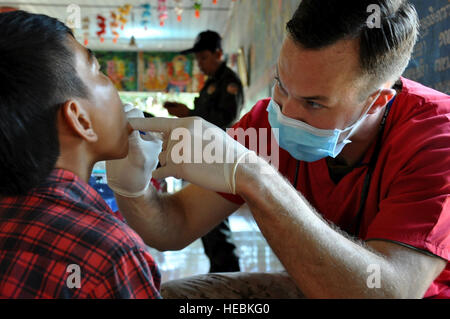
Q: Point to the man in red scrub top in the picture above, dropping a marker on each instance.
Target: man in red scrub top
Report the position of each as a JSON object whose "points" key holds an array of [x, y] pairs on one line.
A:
{"points": [[356, 204]]}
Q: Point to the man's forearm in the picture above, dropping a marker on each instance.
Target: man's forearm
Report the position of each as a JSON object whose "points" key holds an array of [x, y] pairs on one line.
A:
{"points": [[154, 217], [322, 261]]}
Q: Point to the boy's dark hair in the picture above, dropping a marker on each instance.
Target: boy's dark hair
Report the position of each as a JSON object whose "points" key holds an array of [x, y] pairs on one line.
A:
{"points": [[385, 50], [37, 76]]}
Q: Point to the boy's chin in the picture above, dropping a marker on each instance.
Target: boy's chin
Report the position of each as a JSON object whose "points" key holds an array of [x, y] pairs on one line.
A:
{"points": [[119, 153], [124, 152]]}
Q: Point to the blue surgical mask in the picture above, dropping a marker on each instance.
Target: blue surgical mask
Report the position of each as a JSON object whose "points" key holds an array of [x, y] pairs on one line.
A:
{"points": [[307, 143]]}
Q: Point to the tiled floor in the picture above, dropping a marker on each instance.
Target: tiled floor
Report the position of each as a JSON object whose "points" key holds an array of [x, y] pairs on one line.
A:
{"points": [[255, 254]]}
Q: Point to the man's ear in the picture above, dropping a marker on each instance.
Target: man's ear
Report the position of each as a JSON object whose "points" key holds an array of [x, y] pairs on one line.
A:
{"points": [[385, 96], [78, 120]]}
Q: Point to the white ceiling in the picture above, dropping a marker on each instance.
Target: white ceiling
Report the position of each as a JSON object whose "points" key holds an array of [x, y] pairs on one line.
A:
{"points": [[173, 36]]}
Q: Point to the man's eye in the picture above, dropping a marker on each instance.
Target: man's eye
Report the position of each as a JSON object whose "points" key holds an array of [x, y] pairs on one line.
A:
{"points": [[314, 105], [280, 87]]}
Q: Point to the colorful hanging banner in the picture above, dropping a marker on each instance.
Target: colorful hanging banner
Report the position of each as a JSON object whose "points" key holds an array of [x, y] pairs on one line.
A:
{"points": [[114, 24], [146, 14], [162, 9], [198, 7], [102, 25], [124, 12], [85, 27], [179, 9]]}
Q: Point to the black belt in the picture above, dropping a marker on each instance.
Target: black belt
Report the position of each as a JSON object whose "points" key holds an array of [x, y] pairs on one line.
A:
{"points": [[371, 168]]}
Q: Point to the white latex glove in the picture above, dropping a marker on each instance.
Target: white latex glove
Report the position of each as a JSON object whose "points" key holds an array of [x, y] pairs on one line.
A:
{"points": [[130, 177], [218, 173]]}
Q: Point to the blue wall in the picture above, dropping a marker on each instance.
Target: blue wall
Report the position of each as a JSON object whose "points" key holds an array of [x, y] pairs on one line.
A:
{"points": [[431, 60]]}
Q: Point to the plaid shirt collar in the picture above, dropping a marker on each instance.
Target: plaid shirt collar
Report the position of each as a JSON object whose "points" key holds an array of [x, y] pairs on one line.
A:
{"points": [[63, 183]]}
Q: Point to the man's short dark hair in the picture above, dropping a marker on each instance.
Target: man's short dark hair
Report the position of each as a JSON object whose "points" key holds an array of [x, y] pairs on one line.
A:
{"points": [[385, 49], [37, 76]]}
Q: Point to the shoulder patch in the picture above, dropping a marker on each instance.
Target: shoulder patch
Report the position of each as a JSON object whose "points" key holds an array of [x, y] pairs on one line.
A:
{"points": [[233, 88]]}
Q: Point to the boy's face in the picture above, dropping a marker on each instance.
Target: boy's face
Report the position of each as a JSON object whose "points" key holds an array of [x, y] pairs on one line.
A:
{"points": [[104, 106]]}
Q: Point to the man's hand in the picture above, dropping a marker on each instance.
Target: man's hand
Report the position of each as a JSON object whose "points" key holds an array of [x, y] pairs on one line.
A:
{"points": [[177, 109], [130, 177], [197, 151]]}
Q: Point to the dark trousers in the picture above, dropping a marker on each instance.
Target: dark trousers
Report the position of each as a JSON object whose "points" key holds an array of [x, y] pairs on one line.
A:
{"points": [[220, 249]]}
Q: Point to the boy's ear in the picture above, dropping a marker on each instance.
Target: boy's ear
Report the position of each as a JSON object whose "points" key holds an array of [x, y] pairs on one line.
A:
{"points": [[78, 120]]}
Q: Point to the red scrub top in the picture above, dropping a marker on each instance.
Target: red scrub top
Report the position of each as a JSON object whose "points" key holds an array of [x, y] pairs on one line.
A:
{"points": [[408, 200]]}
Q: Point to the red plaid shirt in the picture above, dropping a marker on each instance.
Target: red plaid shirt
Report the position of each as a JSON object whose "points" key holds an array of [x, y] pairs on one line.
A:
{"points": [[62, 223]]}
